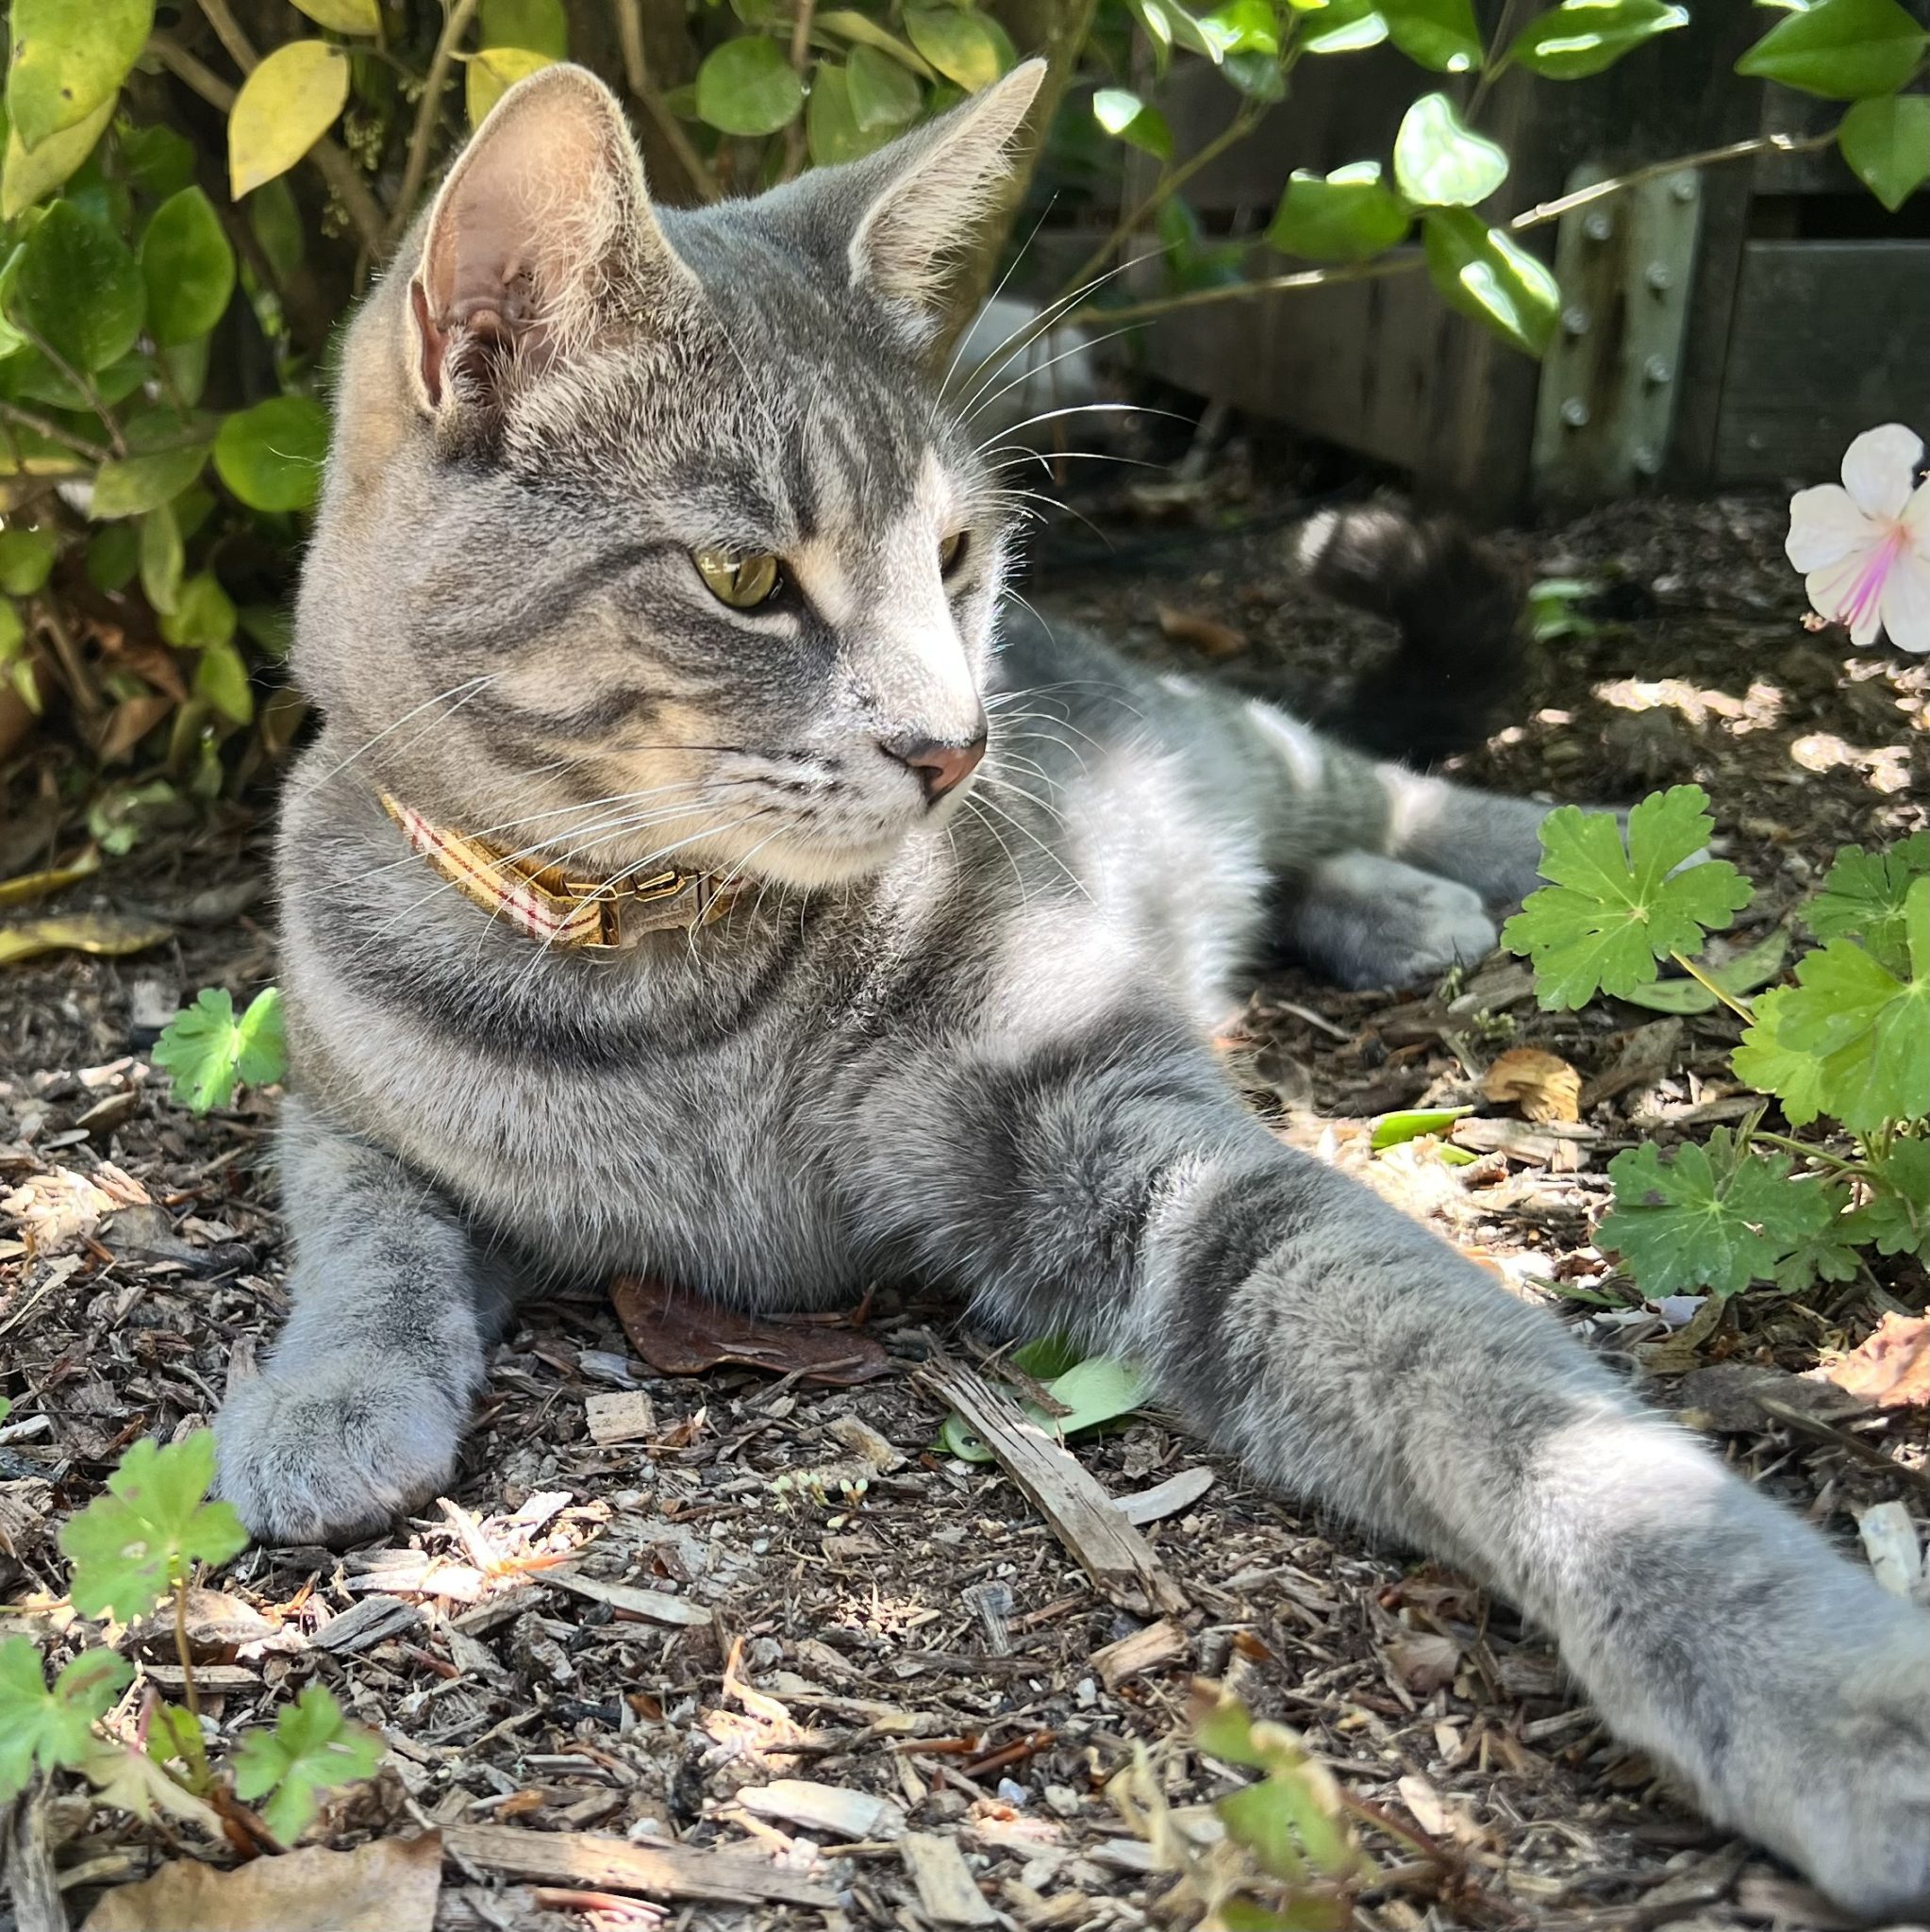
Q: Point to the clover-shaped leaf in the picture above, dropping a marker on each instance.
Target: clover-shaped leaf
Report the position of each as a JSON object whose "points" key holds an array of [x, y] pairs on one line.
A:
{"points": [[1717, 1217], [1613, 908], [312, 1747], [128, 1546], [49, 1728], [209, 1052]]}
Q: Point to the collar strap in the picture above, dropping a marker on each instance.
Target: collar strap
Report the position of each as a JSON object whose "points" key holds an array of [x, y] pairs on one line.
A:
{"points": [[546, 903]]}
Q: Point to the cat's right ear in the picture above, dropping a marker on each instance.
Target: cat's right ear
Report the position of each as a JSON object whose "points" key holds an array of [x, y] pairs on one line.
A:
{"points": [[541, 240]]}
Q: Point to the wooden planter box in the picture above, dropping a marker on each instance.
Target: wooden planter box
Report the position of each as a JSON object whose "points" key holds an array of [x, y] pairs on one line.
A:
{"points": [[1740, 328]]}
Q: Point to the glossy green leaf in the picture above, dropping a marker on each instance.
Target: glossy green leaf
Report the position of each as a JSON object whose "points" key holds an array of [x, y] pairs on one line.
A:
{"points": [[1243, 26], [70, 57], [1844, 50], [1486, 273], [493, 73], [1583, 37], [221, 678], [189, 266], [1098, 1390], [1439, 34], [24, 177], [1742, 975], [276, 223], [1616, 905], [155, 160], [162, 560], [1343, 27], [851, 26], [959, 41], [128, 1546], [208, 1052], [1346, 216], [1886, 144], [26, 557], [311, 1748], [51, 1727], [1395, 1130], [831, 130], [113, 555], [76, 284], [747, 86], [1128, 118], [203, 616], [270, 455], [283, 107], [1439, 162], [884, 94]]}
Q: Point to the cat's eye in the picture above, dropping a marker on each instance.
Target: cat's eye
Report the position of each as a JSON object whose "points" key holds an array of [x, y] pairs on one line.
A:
{"points": [[950, 552], [742, 582]]}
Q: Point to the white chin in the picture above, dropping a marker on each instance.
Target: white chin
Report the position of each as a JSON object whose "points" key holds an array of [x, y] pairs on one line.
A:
{"points": [[810, 863]]}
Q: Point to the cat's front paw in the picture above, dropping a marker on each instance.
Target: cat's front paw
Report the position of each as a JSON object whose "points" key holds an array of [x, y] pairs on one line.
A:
{"points": [[329, 1458]]}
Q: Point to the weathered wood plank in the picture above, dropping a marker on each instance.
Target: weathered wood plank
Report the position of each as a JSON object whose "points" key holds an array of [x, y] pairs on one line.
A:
{"points": [[578, 1858]]}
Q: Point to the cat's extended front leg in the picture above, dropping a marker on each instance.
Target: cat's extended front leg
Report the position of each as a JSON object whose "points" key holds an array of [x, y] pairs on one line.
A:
{"points": [[363, 1404], [1107, 1183]]}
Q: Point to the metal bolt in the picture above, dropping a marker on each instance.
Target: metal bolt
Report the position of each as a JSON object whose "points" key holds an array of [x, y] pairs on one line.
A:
{"points": [[1599, 225], [1683, 187], [1659, 277], [1574, 319], [1647, 460], [1575, 413], [1657, 371]]}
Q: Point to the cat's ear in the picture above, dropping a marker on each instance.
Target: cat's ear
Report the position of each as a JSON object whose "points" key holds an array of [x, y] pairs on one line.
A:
{"points": [[925, 195], [542, 237]]}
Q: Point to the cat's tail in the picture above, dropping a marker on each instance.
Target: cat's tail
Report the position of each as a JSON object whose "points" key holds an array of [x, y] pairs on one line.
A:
{"points": [[1462, 667]]}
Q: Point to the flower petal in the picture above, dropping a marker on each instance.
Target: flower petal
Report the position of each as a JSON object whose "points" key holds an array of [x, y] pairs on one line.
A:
{"points": [[1849, 592], [1825, 527], [1906, 603], [1916, 519], [1879, 468]]}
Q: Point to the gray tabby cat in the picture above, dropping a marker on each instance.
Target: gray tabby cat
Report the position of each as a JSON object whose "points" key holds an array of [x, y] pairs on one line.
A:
{"points": [[645, 535]]}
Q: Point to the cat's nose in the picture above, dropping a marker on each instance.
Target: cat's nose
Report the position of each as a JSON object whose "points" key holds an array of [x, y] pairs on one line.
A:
{"points": [[940, 768]]}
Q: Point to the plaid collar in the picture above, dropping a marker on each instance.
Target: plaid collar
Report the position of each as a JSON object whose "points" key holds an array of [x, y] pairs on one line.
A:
{"points": [[589, 915]]}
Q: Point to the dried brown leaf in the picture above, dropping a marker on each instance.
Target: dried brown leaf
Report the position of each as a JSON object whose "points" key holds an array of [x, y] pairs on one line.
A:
{"points": [[1206, 635], [1890, 1369], [681, 1334], [1543, 1085]]}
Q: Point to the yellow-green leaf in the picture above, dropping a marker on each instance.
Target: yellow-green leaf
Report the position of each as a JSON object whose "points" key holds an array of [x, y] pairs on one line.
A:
{"points": [[221, 678], [850, 25], [957, 41], [493, 72], [68, 58], [343, 16], [24, 177], [283, 107]]}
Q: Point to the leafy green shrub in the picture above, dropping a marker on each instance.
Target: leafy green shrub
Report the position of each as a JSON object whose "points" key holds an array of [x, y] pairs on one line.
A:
{"points": [[1845, 1043], [132, 1548]]}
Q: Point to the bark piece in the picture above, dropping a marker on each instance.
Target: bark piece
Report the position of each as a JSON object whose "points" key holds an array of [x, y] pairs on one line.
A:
{"points": [[656, 1606], [625, 1417], [1081, 1513], [367, 1622], [578, 1858], [815, 1807], [946, 1890], [1151, 1649], [1166, 1499]]}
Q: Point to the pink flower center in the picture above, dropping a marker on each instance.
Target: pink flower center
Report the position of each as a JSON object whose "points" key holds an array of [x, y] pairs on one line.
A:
{"points": [[1860, 602]]}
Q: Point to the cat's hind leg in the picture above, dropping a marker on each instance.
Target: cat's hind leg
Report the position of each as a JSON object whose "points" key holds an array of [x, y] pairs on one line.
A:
{"points": [[1364, 920]]}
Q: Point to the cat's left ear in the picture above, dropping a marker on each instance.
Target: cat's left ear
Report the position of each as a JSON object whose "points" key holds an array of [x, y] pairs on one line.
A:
{"points": [[902, 213]]}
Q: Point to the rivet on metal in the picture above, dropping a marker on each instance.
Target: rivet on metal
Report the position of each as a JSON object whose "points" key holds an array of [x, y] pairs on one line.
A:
{"points": [[1683, 187], [1659, 277], [1647, 460], [1574, 319], [1575, 413], [1658, 370], [1598, 227]]}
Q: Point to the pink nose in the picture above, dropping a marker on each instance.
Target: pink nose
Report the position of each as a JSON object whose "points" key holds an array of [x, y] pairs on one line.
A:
{"points": [[940, 768]]}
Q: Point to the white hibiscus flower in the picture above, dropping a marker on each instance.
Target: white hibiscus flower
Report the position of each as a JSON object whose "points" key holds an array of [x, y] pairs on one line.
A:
{"points": [[1864, 546]]}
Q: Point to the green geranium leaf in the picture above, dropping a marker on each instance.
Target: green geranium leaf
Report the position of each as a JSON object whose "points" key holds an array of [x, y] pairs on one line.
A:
{"points": [[128, 1546], [747, 86], [189, 268], [1345, 216], [1716, 1216], [1848, 1037], [1896, 1218], [1582, 37], [1439, 162], [24, 177], [1865, 894], [959, 41], [311, 1748], [1441, 34], [44, 1727], [1343, 27], [1613, 909], [884, 93], [270, 455], [1845, 50], [1886, 144], [1126, 117], [76, 285], [26, 557], [208, 1052], [70, 58]]}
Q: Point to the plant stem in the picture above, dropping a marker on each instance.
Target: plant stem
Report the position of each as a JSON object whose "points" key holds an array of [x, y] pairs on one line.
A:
{"points": [[801, 60], [189, 1689], [80, 380], [1411, 258], [1838, 1161], [45, 426], [423, 136], [1709, 986], [637, 72]]}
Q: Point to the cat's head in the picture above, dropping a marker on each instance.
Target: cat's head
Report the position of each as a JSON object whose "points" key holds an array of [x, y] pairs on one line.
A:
{"points": [[656, 515]]}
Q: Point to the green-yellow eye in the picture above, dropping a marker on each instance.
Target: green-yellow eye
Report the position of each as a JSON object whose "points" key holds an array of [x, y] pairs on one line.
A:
{"points": [[742, 582], [950, 552]]}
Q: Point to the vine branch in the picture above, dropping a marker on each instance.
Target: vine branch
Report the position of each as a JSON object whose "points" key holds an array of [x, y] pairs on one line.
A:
{"points": [[423, 136]]}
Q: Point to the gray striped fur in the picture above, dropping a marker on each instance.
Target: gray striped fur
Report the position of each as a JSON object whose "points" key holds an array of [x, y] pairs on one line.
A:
{"points": [[964, 1044]]}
